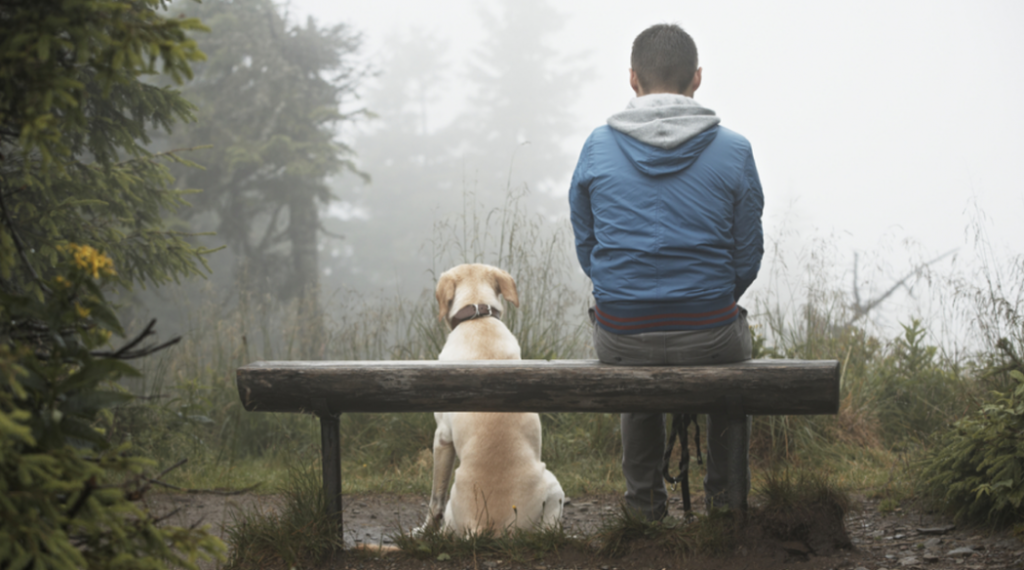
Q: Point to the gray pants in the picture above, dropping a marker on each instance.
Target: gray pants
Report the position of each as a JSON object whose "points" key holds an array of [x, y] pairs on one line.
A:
{"points": [[643, 434]]}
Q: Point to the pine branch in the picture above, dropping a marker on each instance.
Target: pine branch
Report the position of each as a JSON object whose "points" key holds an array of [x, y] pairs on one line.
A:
{"points": [[21, 249], [126, 352]]}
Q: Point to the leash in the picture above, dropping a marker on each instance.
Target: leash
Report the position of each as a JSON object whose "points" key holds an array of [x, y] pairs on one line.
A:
{"points": [[680, 427]]}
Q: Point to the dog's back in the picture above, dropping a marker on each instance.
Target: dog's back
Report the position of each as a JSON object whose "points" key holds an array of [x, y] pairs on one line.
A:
{"points": [[501, 482]]}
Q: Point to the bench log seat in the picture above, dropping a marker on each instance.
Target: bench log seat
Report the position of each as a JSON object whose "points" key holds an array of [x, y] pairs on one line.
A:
{"points": [[330, 388]]}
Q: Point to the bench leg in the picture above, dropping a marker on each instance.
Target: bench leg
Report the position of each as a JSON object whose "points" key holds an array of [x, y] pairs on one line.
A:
{"points": [[330, 445], [739, 470]]}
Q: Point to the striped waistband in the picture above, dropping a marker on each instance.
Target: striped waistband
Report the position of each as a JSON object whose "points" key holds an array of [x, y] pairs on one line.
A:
{"points": [[630, 322]]}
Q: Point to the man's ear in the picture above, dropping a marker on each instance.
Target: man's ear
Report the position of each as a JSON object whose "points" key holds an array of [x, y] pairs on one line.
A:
{"points": [[694, 83], [445, 293], [507, 286], [634, 82]]}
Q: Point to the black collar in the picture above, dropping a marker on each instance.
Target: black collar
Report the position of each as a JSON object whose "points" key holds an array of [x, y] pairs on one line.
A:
{"points": [[470, 312]]}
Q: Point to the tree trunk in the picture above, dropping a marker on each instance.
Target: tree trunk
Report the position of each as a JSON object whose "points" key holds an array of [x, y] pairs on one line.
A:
{"points": [[305, 281]]}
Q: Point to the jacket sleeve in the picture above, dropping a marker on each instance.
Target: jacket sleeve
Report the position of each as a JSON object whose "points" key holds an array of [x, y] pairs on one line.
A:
{"points": [[579, 209], [747, 233]]}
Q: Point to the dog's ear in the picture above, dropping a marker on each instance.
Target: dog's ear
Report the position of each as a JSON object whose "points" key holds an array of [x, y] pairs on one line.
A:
{"points": [[507, 286], [445, 293]]}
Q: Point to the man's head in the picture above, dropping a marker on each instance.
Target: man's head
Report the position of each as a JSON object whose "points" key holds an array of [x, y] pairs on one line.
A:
{"points": [[664, 60]]}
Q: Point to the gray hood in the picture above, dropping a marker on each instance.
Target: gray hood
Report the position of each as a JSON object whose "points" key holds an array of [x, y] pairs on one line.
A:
{"points": [[664, 120]]}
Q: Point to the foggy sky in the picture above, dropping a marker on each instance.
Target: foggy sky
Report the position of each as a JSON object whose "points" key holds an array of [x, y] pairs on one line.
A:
{"points": [[873, 123]]}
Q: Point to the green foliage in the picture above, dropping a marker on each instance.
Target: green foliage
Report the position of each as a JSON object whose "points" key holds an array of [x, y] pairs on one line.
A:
{"points": [[81, 206], [65, 494], [73, 119], [977, 468], [62, 382]]}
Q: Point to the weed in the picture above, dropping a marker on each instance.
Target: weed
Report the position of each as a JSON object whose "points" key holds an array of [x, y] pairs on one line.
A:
{"points": [[887, 506], [704, 534], [303, 534], [807, 506]]}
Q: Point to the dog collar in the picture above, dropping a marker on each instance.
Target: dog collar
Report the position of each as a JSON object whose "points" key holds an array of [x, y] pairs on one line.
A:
{"points": [[470, 312]]}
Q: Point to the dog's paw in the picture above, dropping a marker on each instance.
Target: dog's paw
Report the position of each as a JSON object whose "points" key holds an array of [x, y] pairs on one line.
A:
{"points": [[432, 523]]}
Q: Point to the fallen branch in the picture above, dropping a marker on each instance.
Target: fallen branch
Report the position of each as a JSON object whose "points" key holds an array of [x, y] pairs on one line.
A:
{"points": [[222, 492]]}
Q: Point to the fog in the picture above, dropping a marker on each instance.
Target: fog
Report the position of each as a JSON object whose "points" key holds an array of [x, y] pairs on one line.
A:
{"points": [[885, 132]]}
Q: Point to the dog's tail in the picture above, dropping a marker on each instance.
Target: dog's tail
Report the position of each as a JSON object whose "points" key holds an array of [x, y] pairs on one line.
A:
{"points": [[380, 549]]}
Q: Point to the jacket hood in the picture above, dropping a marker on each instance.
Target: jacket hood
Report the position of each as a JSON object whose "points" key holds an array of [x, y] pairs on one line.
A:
{"points": [[663, 133]]}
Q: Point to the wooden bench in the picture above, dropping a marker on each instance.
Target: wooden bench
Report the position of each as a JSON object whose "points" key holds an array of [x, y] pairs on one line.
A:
{"points": [[328, 389]]}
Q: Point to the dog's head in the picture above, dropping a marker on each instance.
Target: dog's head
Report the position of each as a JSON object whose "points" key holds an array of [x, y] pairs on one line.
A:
{"points": [[473, 283]]}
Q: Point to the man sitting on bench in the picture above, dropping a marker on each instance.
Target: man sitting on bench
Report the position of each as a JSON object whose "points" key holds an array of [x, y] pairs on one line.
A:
{"points": [[666, 209]]}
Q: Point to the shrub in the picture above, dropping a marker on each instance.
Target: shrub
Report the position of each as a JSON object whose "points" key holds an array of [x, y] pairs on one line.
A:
{"points": [[977, 468], [914, 395]]}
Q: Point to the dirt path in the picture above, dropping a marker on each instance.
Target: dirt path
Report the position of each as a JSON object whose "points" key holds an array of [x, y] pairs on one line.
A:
{"points": [[890, 541]]}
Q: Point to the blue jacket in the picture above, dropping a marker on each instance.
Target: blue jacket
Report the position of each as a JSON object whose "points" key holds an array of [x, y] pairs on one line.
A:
{"points": [[670, 238]]}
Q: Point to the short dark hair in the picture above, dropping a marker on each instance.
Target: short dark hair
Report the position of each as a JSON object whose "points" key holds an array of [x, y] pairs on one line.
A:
{"points": [[664, 58]]}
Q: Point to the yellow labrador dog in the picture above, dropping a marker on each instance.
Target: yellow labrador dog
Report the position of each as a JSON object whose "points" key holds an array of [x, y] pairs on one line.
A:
{"points": [[501, 483]]}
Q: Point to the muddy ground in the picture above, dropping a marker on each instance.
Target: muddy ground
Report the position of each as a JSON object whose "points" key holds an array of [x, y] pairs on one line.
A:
{"points": [[905, 538]]}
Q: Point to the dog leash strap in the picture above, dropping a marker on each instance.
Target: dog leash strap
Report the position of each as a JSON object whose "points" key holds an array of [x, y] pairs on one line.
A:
{"points": [[696, 437], [679, 429]]}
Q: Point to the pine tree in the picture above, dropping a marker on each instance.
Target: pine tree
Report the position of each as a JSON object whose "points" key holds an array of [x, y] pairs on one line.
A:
{"points": [[81, 211], [521, 111], [269, 103]]}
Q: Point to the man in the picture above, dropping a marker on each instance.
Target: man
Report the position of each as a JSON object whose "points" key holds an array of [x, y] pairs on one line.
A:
{"points": [[666, 209]]}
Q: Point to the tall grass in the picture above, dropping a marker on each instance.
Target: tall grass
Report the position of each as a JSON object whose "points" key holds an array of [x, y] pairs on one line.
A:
{"points": [[551, 321]]}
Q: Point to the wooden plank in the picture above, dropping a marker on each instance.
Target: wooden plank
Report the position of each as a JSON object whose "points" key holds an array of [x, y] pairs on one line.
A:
{"points": [[769, 387]]}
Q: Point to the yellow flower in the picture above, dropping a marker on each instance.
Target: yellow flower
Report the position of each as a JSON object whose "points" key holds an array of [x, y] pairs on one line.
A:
{"points": [[91, 260], [63, 282], [82, 311]]}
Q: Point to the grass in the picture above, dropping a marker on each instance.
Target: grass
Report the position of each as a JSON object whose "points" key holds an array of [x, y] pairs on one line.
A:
{"points": [[302, 534]]}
